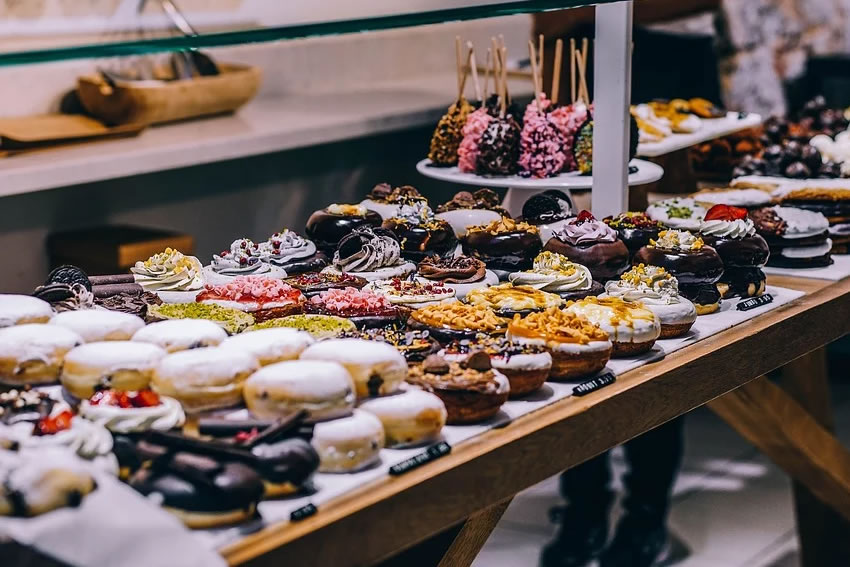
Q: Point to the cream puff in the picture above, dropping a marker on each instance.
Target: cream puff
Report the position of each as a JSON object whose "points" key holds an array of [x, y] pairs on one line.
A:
{"points": [[377, 368], [133, 412], [324, 389], [99, 324], [23, 309], [632, 328], [33, 354], [204, 378], [578, 347], [348, 444], [120, 365], [555, 273], [181, 334], [271, 345], [409, 418], [244, 258]]}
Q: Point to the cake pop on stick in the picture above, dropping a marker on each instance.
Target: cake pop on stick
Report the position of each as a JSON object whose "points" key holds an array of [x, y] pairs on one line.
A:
{"points": [[476, 123], [449, 132], [499, 146]]}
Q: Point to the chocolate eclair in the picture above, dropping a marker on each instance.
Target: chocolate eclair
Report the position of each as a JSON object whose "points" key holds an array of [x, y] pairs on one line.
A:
{"points": [[326, 227], [461, 269], [591, 243], [504, 245], [420, 233], [729, 231]]}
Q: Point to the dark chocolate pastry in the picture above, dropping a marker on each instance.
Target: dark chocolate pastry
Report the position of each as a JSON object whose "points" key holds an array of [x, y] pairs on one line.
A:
{"points": [[635, 229], [65, 297], [503, 245], [499, 147], [328, 226], [459, 270], [313, 283], [591, 243], [480, 199], [741, 282], [797, 238], [420, 233], [415, 345], [135, 302], [729, 231], [547, 207]]}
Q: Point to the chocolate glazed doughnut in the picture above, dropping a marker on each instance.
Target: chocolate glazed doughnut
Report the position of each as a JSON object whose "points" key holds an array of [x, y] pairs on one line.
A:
{"points": [[605, 260], [509, 251], [420, 241], [747, 252], [327, 227], [702, 266]]}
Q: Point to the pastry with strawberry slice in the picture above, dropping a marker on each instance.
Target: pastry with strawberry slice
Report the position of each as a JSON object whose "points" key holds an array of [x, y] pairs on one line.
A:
{"points": [[732, 233]]}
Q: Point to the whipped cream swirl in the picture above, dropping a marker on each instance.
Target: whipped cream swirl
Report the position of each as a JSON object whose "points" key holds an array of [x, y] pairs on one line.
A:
{"points": [[586, 232], [88, 440], [286, 246], [170, 270], [167, 415], [376, 251], [648, 284], [242, 259], [416, 213], [554, 273], [734, 229]]}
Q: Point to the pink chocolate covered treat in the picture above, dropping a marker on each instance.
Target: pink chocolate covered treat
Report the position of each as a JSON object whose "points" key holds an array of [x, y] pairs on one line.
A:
{"points": [[467, 153], [541, 147]]}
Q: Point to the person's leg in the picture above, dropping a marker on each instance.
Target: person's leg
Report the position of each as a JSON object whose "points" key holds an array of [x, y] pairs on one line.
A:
{"points": [[584, 520]]}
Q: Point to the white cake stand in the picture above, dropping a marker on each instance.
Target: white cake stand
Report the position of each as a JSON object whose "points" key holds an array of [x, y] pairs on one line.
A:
{"points": [[521, 188]]}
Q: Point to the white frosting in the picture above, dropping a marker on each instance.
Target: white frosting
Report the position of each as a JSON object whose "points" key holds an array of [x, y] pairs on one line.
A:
{"points": [[660, 211], [385, 273], [202, 368], [212, 277], [181, 334], [248, 306], [460, 219], [350, 443], [503, 385], [304, 381], [112, 356], [462, 289], [99, 324], [15, 308], [531, 361], [807, 251], [285, 246], [559, 346], [619, 331], [405, 405], [363, 359], [386, 210], [839, 229], [167, 415], [271, 345], [734, 197], [801, 223], [169, 270], [671, 310], [44, 343], [738, 228], [45, 478]]}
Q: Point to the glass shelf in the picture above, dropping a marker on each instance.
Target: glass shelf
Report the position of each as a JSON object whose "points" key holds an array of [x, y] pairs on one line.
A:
{"points": [[273, 27]]}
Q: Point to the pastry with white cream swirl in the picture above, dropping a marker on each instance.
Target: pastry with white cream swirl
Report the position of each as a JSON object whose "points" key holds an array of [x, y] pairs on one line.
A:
{"points": [[169, 270], [167, 414], [373, 254], [554, 273]]}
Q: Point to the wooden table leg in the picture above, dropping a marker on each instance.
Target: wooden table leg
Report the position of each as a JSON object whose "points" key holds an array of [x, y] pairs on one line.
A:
{"points": [[824, 534]]}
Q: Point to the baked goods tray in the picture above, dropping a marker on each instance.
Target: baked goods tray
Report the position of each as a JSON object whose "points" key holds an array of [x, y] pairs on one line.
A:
{"points": [[711, 129], [331, 486], [838, 270]]}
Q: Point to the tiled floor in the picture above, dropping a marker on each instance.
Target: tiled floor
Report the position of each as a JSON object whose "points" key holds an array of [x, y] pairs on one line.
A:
{"points": [[732, 507]]}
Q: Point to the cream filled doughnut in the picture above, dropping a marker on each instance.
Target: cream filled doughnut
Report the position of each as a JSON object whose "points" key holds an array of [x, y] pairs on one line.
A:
{"points": [[631, 327], [271, 345], [33, 354], [99, 324], [22, 309], [377, 368], [409, 418], [121, 365], [348, 444], [181, 334], [204, 378], [324, 389]]}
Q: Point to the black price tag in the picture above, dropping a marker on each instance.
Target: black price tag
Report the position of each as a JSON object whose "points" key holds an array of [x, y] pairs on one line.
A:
{"points": [[594, 384], [433, 452], [303, 512], [754, 302]]}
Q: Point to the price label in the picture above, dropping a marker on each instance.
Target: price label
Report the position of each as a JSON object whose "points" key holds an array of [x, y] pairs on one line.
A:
{"points": [[594, 384], [754, 302], [433, 452], [303, 512]]}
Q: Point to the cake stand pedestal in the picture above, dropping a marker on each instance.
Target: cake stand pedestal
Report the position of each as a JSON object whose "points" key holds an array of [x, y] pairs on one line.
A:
{"points": [[521, 188]]}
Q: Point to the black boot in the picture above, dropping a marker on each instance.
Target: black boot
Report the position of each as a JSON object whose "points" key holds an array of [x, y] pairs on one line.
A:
{"points": [[580, 539], [639, 542]]}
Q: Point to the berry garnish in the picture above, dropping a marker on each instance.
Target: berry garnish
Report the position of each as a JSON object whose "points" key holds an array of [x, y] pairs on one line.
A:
{"points": [[246, 436], [726, 213], [584, 216], [145, 399], [51, 425]]}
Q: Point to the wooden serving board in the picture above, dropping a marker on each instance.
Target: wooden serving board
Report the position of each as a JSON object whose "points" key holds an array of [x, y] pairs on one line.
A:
{"points": [[46, 130]]}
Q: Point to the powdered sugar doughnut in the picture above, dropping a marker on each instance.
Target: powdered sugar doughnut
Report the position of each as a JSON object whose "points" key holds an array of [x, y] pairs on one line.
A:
{"points": [[33, 354], [181, 334], [271, 345], [99, 324], [22, 309], [409, 418], [121, 365], [348, 444], [377, 368]]}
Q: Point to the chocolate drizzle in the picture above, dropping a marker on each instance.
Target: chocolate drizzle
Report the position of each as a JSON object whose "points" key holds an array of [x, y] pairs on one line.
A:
{"points": [[462, 269]]}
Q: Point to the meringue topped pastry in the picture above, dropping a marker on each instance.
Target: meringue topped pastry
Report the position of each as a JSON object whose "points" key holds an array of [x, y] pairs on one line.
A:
{"points": [[554, 273], [291, 252], [631, 327], [371, 254], [591, 243], [244, 258], [680, 213]]}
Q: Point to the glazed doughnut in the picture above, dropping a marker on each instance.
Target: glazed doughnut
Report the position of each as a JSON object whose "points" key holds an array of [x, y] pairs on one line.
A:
{"points": [[33, 354], [22, 309], [377, 368], [409, 418], [324, 389], [99, 324], [120, 365], [204, 378], [348, 444], [181, 334], [271, 345]]}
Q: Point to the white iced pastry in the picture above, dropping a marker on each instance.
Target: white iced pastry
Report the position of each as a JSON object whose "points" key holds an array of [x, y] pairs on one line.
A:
{"points": [[163, 417], [733, 197], [22, 309], [285, 247], [99, 324], [324, 389], [33, 353], [348, 444], [245, 258], [376, 367], [181, 334], [623, 321], [379, 258], [271, 345], [680, 213], [800, 223], [121, 365], [554, 273], [169, 270], [409, 418], [806, 251], [657, 290], [415, 294], [460, 219], [680, 240]]}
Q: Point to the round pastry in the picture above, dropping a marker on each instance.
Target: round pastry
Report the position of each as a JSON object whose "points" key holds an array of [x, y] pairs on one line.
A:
{"points": [[23, 309], [451, 321], [658, 291], [65, 297], [324, 389], [635, 229], [591, 243], [697, 267], [243, 259], [413, 345], [797, 238], [471, 390], [387, 202], [729, 231], [578, 347], [176, 278], [679, 213], [548, 211], [377, 368], [99, 324], [461, 273], [286, 465], [120, 365], [748, 198], [412, 294], [363, 308], [420, 233], [319, 326], [526, 366], [471, 209], [313, 283], [554, 273], [204, 378], [271, 345], [181, 334], [508, 299], [292, 253], [328, 226], [371, 255], [503, 245], [33, 354], [349, 444], [263, 298], [231, 320], [831, 200], [632, 328], [409, 418], [133, 412]]}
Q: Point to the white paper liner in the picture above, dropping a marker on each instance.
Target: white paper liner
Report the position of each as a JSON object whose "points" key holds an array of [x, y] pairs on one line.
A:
{"points": [[838, 270]]}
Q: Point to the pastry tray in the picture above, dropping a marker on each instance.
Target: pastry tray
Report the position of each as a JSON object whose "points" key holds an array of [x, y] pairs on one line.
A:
{"points": [[711, 129]]}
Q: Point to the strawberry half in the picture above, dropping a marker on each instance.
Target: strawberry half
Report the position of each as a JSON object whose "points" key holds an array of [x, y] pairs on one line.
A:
{"points": [[584, 216], [726, 213]]}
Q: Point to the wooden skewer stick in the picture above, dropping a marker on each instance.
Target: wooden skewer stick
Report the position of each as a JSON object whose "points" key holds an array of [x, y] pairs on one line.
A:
{"points": [[556, 70], [540, 66], [579, 92], [532, 54], [465, 68], [473, 66], [497, 70], [505, 74], [487, 65], [572, 70], [503, 87], [584, 51], [458, 64]]}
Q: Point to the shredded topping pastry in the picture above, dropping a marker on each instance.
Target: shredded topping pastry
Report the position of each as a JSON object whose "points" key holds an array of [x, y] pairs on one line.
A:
{"points": [[504, 226], [508, 297], [681, 240], [557, 325], [611, 310], [460, 316]]}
